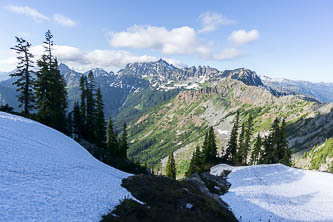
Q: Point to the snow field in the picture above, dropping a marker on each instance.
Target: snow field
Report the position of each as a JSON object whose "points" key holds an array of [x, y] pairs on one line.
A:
{"points": [[278, 193], [47, 176]]}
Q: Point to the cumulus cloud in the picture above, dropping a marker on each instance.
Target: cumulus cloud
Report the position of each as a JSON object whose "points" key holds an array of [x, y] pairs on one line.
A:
{"points": [[227, 54], [26, 10], [38, 16], [240, 37], [63, 20], [182, 40], [83, 61], [8, 64], [210, 21]]}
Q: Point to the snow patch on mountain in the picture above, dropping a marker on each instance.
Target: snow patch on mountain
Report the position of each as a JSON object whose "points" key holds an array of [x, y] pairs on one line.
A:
{"points": [[47, 176], [278, 193]]}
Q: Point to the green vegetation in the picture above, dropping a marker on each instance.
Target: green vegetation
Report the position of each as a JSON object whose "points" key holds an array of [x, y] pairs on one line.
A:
{"points": [[171, 167], [275, 146], [141, 102], [25, 82], [319, 154], [205, 157]]}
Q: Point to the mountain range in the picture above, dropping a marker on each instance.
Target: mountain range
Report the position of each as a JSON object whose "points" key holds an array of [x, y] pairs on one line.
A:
{"points": [[169, 108]]}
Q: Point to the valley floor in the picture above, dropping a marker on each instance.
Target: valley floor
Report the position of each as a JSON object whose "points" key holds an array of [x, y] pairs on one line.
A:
{"points": [[278, 193]]}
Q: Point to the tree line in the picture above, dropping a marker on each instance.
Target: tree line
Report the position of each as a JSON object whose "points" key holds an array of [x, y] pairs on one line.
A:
{"points": [[270, 149], [88, 122], [42, 95]]}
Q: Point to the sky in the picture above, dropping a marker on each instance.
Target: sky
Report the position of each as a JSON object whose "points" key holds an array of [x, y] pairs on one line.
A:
{"points": [[289, 39]]}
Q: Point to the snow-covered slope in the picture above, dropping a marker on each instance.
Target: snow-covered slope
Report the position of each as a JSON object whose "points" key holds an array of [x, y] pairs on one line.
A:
{"points": [[46, 176], [278, 193]]}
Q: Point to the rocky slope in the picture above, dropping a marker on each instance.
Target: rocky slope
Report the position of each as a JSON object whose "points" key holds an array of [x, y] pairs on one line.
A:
{"points": [[180, 124], [320, 157]]}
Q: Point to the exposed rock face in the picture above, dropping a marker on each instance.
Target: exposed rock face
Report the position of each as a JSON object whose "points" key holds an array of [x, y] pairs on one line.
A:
{"points": [[181, 123], [247, 76]]}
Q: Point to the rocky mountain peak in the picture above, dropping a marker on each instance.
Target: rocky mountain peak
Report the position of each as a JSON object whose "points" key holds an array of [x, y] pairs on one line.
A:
{"points": [[99, 72], [247, 76]]}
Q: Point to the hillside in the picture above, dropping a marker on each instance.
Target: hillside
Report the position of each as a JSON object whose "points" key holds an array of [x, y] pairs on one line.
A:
{"points": [[320, 157], [46, 176], [278, 193], [180, 124]]}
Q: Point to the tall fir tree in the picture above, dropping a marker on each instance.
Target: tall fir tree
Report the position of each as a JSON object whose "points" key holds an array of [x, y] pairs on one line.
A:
{"points": [[211, 149], [232, 144], [276, 146], [69, 124], [100, 124], [112, 140], [76, 121], [50, 89], [196, 164], [238, 160], [83, 107], [170, 170], [24, 82], [91, 109], [247, 140], [123, 145], [256, 152], [284, 153]]}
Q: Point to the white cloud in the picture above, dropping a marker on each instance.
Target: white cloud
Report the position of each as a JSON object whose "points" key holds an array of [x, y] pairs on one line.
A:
{"points": [[83, 61], [38, 16], [26, 10], [63, 20], [182, 40], [240, 37], [114, 58], [227, 54], [210, 21], [8, 64]]}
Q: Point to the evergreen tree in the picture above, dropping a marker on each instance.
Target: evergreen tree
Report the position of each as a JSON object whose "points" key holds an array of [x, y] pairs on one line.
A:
{"points": [[83, 107], [276, 146], [112, 142], [238, 160], [69, 124], [284, 153], [205, 148], [50, 89], [210, 149], [123, 145], [91, 108], [100, 120], [232, 144], [171, 167], [256, 152], [247, 141], [196, 164], [25, 82], [76, 121], [266, 157]]}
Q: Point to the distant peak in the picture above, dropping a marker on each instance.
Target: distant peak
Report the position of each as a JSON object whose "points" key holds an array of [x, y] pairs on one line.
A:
{"points": [[162, 61], [63, 65]]}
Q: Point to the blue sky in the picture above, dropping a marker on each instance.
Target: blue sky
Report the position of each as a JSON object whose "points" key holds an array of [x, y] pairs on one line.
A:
{"points": [[290, 39]]}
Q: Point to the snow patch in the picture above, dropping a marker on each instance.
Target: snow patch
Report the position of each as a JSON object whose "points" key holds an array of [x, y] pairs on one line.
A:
{"points": [[222, 131], [47, 176], [278, 193]]}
